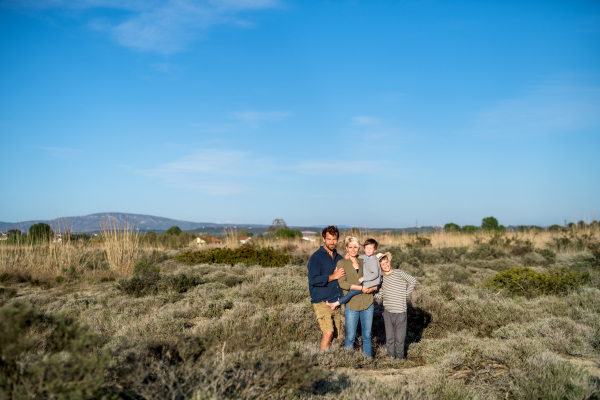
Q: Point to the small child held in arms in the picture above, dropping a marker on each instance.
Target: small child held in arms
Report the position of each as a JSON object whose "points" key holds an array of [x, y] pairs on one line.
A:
{"points": [[371, 273], [396, 286]]}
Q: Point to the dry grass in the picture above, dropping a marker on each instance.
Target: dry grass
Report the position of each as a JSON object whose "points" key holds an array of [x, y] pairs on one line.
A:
{"points": [[215, 331]]}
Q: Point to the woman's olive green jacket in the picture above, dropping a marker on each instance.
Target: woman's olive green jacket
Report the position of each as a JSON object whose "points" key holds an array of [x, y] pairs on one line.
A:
{"points": [[360, 301]]}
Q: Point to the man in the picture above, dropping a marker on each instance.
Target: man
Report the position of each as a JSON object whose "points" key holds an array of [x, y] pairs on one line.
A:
{"points": [[323, 285]]}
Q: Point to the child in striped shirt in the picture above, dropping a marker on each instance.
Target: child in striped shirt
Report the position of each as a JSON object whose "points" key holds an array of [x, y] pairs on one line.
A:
{"points": [[396, 286]]}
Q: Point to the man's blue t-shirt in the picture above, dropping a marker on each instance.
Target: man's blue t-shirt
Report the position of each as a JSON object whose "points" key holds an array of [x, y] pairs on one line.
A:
{"points": [[320, 266]]}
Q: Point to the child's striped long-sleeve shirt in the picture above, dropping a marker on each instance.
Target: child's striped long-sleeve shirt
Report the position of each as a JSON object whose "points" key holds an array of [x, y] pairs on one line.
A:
{"points": [[395, 288]]}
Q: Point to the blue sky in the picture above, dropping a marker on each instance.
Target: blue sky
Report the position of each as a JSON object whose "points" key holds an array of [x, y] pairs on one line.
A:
{"points": [[346, 112]]}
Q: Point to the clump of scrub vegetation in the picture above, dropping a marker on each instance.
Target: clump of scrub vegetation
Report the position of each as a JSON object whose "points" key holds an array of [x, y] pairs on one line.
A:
{"points": [[249, 255], [525, 282]]}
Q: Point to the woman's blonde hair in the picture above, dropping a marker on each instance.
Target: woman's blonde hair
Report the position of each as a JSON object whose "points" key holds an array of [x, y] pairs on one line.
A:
{"points": [[351, 239]]}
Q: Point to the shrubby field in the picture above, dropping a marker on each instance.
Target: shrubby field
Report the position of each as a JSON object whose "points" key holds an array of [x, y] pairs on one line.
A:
{"points": [[495, 316]]}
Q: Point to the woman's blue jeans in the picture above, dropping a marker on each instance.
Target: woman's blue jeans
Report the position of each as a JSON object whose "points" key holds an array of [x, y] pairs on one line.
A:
{"points": [[366, 321]]}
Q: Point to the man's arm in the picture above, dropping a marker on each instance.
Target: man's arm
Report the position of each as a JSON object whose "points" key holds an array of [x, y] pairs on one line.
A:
{"points": [[315, 274]]}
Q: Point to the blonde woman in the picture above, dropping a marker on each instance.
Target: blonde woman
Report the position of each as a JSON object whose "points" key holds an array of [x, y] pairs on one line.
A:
{"points": [[359, 307]]}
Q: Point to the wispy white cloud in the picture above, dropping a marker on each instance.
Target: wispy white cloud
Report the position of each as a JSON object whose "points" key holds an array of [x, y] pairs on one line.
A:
{"points": [[542, 110], [226, 172], [256, 118], [363, 120], [165, 26], [210, 171]]}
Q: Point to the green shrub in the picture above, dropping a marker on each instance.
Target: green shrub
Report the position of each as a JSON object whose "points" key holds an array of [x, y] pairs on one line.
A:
{"points": [[533, 259], [266, 257], [144, 266], [525, 282], [140, 285], [287, 233], [215, 309], [547, 376], [413, 256], [279, 292], [5, 277], [452, 254], [548, 254], [69, 368], [520, 251], [469, 229], [59, 279], [41, 232], [181, 283], [486, 252], [489, 224], [174, 230], [456, 274], [451, 227], [227, 279]]}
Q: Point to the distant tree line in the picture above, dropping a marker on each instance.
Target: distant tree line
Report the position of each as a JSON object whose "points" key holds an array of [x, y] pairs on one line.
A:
{"points": [[490, 224]]}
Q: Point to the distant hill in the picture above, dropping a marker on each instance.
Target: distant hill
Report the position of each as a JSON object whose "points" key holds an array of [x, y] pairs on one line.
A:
{"points": [[95, 222]]}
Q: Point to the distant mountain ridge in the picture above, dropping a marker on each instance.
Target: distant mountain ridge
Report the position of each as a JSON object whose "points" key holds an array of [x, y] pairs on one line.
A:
{"points": [[95, 223]]}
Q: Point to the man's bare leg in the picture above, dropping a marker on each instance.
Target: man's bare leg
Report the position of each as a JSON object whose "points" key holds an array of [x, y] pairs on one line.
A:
{"points": [[326, 340]]}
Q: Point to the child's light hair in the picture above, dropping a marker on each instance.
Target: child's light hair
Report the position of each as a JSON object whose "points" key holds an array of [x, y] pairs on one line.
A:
{"points": [[351, 239]]}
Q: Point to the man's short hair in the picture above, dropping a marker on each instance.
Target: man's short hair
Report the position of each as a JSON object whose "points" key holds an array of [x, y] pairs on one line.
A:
{"points": [[372, 242], [332, 230]]}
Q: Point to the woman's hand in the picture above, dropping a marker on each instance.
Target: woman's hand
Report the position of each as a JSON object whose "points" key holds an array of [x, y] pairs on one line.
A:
{"points": [[361, 280], [347, 256]]}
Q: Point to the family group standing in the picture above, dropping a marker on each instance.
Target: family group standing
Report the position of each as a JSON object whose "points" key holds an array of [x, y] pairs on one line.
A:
{"points": [[352, 280]]}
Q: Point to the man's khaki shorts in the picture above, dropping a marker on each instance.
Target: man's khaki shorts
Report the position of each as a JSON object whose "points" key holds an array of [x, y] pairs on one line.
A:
{"points": [[329, 320]]}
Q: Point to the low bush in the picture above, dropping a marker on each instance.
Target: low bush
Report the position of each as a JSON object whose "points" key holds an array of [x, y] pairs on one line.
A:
{"points": [[300, 259], [455, 274], [525, 282], [533, 259], [266, 257], [485, 252], [413, 256], [280, 292], [148, 281], [69, 367], [452, 254], [144, 266], [181, 283], [214, 309], [520, 251], [418, 242], [547, 376], [140, 285], [548, 254], [227, 279]]}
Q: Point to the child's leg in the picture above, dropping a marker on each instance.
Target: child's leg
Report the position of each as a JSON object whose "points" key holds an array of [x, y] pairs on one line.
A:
{"points": [[400, 334], [346, 298], [390, 333]]}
